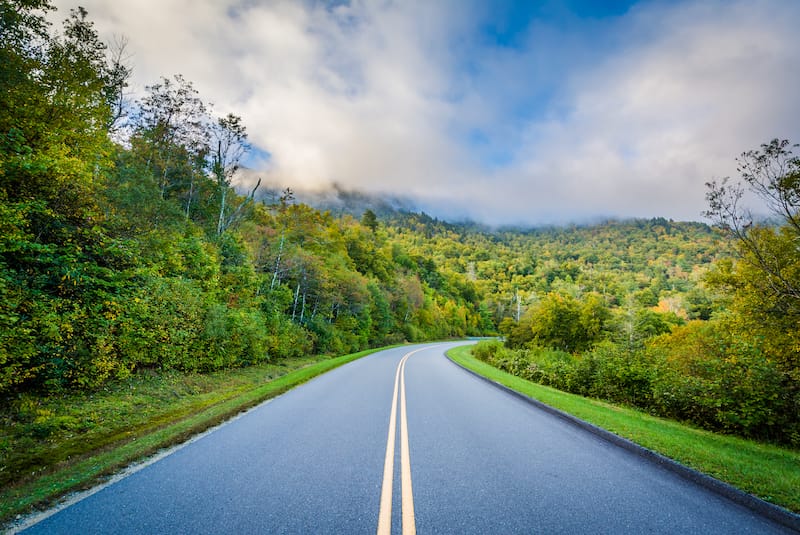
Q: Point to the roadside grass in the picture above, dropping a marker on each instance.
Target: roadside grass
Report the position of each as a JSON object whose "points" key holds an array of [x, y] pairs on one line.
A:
{"points": [[770, 472], [52, 446]]}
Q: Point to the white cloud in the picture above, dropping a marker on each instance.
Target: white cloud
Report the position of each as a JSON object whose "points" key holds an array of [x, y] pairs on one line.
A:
{"points": [[383, 96], [695, 86]]}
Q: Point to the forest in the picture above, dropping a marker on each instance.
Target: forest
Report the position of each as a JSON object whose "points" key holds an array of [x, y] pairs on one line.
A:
{"points": [[665, 318], [126, 247]]}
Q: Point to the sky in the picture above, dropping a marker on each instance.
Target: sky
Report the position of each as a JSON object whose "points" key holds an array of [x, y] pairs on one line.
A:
{"points": [[503, 112]]}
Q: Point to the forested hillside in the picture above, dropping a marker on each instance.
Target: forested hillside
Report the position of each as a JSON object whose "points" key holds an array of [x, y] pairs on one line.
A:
{"points": [[124, 247], [712, 344], [632, 264]]}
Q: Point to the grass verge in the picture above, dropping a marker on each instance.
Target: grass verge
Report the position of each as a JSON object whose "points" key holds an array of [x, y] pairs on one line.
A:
{"points": [[54, 446], [767, 471]]}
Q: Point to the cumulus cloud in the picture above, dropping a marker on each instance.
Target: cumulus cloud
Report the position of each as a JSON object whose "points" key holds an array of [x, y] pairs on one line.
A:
{"points": [[694, 87], [623, 116]]}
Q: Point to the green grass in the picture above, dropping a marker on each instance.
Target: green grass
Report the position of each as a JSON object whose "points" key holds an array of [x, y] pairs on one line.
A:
{"points": [[767, 471], [52, 446]]}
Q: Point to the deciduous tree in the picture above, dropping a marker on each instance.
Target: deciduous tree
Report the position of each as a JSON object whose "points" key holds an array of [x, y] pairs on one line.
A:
{"points": [[765, 282]]}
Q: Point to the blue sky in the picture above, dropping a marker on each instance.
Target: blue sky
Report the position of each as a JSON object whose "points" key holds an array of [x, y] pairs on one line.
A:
{"points": [[504, 112], [531, 37]]}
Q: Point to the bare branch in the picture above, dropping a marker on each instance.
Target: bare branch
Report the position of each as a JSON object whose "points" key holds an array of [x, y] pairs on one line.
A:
{"points": [[773, 174]]}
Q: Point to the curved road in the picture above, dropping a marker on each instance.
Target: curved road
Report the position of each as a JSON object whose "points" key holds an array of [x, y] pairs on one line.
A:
{"points": [[468, 457]]}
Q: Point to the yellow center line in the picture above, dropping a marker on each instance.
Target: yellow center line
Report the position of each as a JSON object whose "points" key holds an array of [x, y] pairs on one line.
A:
{"points": [[409, 526], [385, 515], [407, 496]]}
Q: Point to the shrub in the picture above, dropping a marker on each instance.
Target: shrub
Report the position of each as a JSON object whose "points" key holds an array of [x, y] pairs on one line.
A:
{"points": [[232, 337], [549, 367], [620, 375], [723, 382], [160, 325], [486, 349], [286, 339]]}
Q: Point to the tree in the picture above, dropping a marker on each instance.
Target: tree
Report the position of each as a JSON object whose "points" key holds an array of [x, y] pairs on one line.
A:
{"points": [[286, 198], [229, 145], [560, 322], [56, 94], [24, 31], [55, 107], [765, 282], [370, 220], [773, 175], [171, 136]]}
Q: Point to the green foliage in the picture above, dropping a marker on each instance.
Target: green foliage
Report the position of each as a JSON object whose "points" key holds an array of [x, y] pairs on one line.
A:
{"points": [[712, 376], [621, 376], [762, 314], [370, 220], [701, 373], [232, 338], [764, 285], [561, 322], [124, 258], [160, 324]]}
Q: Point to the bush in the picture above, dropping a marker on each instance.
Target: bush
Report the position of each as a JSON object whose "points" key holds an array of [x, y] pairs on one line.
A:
{"points": [[724, 382], [549, 367], [232, 337], [619, 375], [161, 324], [738, 392], [287, 339], [486, 350], [699, 373]]}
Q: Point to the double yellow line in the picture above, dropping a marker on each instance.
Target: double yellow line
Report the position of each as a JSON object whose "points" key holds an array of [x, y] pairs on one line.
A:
{"points": [[385, 514]]}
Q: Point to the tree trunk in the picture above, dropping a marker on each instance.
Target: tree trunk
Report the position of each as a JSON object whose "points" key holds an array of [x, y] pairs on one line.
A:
{"points": [[303, 308], [277, 264], [223, 195], [191, 194], [296, 296]]}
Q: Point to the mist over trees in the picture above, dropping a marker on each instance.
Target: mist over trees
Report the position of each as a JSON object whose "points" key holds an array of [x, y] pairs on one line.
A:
{"points": [[126, 249]]}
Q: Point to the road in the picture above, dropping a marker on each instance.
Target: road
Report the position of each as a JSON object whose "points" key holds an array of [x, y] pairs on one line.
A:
{"points": [[463, 457]]}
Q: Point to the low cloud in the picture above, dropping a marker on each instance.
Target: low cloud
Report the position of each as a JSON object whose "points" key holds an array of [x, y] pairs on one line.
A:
{"points": [[624, 116]]}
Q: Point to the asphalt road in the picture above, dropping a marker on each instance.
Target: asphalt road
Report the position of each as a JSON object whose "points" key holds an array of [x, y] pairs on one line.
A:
{"points": [[477, 460]]}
